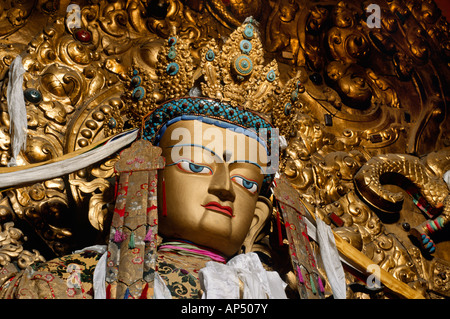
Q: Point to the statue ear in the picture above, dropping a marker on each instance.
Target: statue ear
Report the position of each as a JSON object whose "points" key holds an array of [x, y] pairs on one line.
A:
{"points": [[263, 210]]}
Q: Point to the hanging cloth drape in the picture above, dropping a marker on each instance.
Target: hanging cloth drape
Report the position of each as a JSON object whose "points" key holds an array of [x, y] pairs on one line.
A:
{"points": [[309, 284], [12, 177], [222, 281], [16, 109], [132, 248], [331, 261]]}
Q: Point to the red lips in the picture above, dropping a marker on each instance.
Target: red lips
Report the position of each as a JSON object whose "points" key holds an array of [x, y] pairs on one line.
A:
{"points": [[215, 206]]}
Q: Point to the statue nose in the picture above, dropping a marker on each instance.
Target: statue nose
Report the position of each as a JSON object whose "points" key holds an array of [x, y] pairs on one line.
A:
{"points": [[221, 184]]}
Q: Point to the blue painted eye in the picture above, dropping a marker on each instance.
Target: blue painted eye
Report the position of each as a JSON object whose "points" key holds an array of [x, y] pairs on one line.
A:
{"points": [[194, 168], [251, 186]]}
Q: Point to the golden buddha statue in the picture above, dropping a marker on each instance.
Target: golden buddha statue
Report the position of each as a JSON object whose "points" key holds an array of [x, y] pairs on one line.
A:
{"points": [[216, 213], [216, 164], [213, 208]]}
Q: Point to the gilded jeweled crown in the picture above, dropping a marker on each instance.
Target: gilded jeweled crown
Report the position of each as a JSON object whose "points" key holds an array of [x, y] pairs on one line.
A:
{"points": [[236, 73], [234, 83]]}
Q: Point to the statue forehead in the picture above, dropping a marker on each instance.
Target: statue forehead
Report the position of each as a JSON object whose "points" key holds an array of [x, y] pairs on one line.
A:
{"points": [[222, 141]]}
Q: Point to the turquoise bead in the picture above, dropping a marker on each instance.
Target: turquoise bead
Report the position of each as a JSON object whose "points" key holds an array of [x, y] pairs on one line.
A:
{"points": [[112, 123], [210, 56], [172, 68], [138, 93], [287, 108], [245, 46], [243, 65], [248, 31], [294, 95], [172, 53], [136, 80], [271, 76]]}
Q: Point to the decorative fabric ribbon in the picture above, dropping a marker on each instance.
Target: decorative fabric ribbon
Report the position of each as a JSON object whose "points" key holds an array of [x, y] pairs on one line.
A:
{"points": [[68, 163], [132, 248]]}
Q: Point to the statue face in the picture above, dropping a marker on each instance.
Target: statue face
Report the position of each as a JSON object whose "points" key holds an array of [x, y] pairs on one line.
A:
{"points": [[211, 184]]}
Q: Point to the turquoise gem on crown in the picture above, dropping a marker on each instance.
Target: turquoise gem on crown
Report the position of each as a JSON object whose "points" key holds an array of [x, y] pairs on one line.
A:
{"points": [[248, 31], [271, 76], [210, 56]]}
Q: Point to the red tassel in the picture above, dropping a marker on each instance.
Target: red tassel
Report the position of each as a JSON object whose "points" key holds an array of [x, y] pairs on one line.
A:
{"points": [[116, 187], [108, 292], [144, 292], [164, 208]]}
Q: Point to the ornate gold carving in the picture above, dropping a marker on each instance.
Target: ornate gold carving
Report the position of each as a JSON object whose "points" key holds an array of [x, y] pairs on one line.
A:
{"points": [[11, 247], [367, 180], [440, 279]]}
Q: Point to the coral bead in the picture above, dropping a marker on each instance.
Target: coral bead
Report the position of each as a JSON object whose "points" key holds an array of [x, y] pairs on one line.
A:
{"points": [[83, 35]]}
